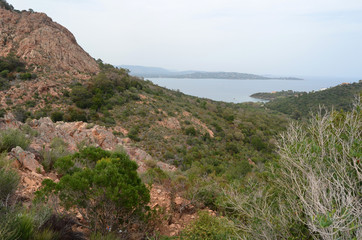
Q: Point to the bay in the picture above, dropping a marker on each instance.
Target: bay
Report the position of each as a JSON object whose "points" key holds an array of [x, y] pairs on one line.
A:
{"points": [[237, 91]]}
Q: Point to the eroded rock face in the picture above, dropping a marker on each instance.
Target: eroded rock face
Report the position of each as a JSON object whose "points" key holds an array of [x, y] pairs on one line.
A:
{"points": [[73, 133], [38, 40]]}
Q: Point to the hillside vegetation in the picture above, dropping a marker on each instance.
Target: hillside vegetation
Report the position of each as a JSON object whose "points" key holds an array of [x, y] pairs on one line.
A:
{"points": [[171, 126], [212, 143], [275, 95], [302, 104], [238, 171], [227, 155]]}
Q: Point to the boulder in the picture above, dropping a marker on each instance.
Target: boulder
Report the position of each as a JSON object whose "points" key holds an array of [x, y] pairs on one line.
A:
{"points": [[26, 159]]}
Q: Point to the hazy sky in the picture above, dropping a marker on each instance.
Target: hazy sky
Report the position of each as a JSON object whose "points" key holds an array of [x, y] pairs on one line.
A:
{"points": [[285, 37]]}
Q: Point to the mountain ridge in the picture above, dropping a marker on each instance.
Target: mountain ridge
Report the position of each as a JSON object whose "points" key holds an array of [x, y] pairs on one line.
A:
{"points": [[157, 72]]}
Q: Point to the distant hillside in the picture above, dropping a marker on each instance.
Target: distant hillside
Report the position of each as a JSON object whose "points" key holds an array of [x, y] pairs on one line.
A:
{"points": [[227, 75], [275, 95], [141, 70], [219, 75], [301, 104], [155, 72]]}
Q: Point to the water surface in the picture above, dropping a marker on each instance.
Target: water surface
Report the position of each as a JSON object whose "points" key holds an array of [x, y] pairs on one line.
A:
{"points": [[230, 90]]}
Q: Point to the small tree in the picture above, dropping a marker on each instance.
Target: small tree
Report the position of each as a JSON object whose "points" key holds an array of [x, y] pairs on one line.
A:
{"points": [[109, 196]]}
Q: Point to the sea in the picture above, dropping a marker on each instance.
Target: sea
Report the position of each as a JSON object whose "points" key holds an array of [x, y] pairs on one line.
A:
{"points": [[238, 91]]}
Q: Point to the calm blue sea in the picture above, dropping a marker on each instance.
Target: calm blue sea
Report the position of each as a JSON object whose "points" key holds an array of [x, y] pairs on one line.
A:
{"points": [[240, 90]]}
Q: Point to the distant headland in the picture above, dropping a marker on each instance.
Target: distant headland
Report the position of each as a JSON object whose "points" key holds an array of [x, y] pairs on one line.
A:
{"points": [[155, 72]]}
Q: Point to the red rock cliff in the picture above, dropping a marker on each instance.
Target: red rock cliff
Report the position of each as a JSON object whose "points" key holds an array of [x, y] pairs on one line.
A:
{"points": [[38, 40]]}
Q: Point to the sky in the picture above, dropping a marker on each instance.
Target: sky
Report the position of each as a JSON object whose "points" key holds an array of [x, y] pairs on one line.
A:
{"points": [[280, 37]]}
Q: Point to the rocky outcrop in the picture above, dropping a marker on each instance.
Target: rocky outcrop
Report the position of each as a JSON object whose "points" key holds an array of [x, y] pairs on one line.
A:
{"points": [[26, 159], [39, 41], [75, 134], [170, 123]]}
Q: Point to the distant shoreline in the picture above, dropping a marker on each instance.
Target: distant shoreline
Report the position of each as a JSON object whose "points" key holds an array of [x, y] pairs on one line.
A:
{"points": [[181, 77]]}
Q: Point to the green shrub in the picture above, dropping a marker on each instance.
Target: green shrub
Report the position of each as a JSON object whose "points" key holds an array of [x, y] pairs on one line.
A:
{"points": [[133, 134], [2, 112], [30, 104], [191, 131], [26, 129], [9, 181], [25, 226], [110, 193], [4, 84], [74, 114], [15, 224], [8, 223], [11, 138], [100, 236], [58, 149], [208, 227], [81, 97], [20, 114], [4, 73], [232, 148], [11, 62], [46, 234], [25, 76], [86, 157], [57, 116], [154, 175], [258, 143]]}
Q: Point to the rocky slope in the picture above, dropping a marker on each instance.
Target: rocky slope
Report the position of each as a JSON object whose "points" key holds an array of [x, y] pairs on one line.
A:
{"points": [[73, 134], [46, 45], [32, 173]]}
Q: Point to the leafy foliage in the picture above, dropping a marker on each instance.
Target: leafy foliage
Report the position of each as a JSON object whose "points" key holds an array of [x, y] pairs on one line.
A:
{"points": [[106, 190], [105, 89], [209, 228]]}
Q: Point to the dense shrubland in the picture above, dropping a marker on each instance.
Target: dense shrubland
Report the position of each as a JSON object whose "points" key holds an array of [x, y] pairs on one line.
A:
{"points": [[276, 95], [261, 185], [301, 105]]}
